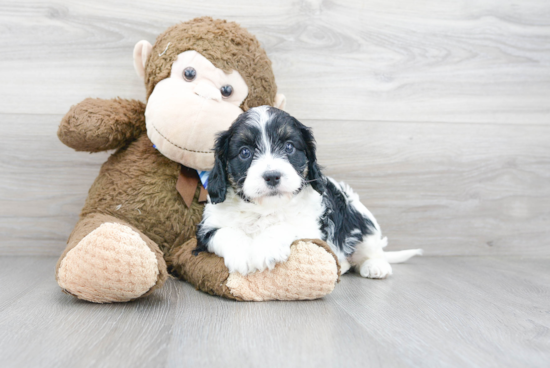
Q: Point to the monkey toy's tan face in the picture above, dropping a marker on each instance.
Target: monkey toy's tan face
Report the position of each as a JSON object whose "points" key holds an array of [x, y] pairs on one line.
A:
{"points": [[186, 110]]}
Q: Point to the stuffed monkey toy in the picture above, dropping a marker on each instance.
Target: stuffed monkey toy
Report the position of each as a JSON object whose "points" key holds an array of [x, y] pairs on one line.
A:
{"points": [[138, 223]]}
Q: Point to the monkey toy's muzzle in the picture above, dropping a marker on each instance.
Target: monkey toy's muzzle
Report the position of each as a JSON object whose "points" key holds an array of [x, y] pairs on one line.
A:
{"points": [[183, 124]]}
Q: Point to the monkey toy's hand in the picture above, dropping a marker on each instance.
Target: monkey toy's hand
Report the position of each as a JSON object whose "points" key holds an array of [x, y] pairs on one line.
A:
{"points": [[95, 124]]}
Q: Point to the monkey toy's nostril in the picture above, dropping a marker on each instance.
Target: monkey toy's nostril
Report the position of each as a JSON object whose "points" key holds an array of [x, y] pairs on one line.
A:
{"points": [[272, 178]]}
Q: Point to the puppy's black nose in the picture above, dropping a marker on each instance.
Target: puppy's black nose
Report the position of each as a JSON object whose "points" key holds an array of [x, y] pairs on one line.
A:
{"points": [[272, 178]]}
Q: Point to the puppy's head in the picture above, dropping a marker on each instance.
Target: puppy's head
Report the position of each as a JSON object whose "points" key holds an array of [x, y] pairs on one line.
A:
{"points": [[265, 153]]}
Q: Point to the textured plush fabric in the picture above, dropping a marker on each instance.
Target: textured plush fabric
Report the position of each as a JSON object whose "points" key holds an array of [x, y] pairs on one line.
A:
{"points": [[311, 272], [206, 271], [97, 125], [107, 261], [111, 264], [136, 187], [227, 45]]}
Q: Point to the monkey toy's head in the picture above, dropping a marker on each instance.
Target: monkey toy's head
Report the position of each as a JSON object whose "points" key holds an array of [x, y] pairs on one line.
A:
{"points": [[200, 75]]}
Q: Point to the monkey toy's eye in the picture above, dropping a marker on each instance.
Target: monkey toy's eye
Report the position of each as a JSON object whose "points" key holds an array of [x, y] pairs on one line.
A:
{"points": [[245, 153], [189, 74], [226, 90], [289, 148]]}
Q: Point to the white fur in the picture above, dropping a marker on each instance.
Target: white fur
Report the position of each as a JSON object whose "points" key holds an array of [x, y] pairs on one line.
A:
{"points": [[255, 186], [259, 116], [368, 257], [256, 235]]}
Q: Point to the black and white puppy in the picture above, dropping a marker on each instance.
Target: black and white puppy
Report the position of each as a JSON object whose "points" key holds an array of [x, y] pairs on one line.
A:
{"points": [[266, 190]]}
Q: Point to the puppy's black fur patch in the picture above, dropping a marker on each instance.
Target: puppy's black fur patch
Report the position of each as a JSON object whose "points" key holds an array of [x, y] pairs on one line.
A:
{"points": [[342, 225], [230, 168], [203, 237]]}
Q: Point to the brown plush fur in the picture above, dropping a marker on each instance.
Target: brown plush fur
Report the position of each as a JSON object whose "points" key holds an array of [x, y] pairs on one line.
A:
{"points": [[226, 44], [137, 185], [206, 271], [97, 125]]}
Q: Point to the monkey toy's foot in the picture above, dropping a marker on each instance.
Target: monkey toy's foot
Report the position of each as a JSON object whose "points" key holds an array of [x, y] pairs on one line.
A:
{"points": [[310, 272], [112, 263]]}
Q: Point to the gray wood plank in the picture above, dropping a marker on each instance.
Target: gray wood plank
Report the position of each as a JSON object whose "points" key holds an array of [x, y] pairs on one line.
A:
{"points": [[481, 308], [271, 334], [452, 189], [480, 61], [433, 312], [43, 185], [46, 328]]}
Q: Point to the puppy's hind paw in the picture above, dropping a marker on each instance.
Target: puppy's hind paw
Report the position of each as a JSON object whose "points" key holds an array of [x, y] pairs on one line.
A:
{"points": [[375, 269]]}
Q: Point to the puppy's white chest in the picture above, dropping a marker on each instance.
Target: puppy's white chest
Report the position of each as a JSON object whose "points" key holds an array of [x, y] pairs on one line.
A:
{"points": [[300, 215], [254, 223]]}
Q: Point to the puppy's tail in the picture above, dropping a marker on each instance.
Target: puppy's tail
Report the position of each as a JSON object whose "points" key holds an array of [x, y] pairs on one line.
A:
{"points": [[402, 255]]}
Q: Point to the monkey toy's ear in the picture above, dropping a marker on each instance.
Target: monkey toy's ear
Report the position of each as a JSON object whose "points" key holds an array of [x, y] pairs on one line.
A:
{"points": [[280, 101], [142, 50], [217, 179]]}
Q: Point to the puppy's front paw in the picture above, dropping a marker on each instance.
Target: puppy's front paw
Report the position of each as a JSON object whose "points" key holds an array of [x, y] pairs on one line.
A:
{"points": [[234, 247], [375, 269], [310, 272], [238, 261], [266, 253]]}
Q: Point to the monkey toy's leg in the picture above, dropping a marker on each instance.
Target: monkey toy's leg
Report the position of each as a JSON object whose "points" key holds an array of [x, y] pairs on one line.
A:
{"points": [[311, 272], [107, 260]]}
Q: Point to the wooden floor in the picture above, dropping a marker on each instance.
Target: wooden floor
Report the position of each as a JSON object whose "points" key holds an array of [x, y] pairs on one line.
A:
{"points": [[436, 112], [434, 312]]}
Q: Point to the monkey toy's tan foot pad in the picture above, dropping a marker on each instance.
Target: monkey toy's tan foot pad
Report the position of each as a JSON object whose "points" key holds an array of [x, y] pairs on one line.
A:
{"points": [[110, 264], [311, 272]]}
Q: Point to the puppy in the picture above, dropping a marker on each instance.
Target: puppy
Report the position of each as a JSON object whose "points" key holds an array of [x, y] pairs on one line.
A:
{"points": [[266, 190]]}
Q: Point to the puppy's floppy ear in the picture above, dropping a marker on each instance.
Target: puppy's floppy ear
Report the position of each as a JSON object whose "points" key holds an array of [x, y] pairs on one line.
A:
{"points": [[217, 180], [314, 175]]}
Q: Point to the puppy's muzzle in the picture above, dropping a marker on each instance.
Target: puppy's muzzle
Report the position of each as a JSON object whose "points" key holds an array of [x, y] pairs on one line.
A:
{"points": [[272, 178]]}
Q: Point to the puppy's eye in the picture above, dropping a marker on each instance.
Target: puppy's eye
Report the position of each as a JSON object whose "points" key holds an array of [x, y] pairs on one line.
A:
{"points": [[226, 91], [245, 153], [189, 73], [289, 148]]}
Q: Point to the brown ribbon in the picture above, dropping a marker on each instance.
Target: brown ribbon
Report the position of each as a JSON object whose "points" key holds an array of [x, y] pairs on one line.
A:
{"points": [[187, 183]]}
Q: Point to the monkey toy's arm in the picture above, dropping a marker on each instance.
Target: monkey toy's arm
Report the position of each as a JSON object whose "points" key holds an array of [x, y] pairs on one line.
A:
{"points": [[96, 124]]}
